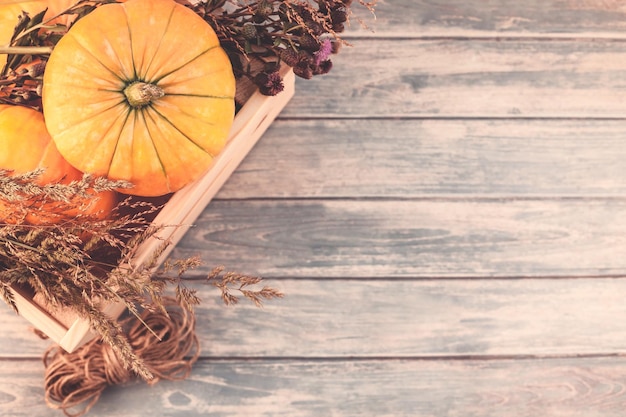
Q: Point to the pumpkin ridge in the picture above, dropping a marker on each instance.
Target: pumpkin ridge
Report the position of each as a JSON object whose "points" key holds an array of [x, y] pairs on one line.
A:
{"points": [[143, 112], [91, 116], [163, 117], [95, 58], [107, 127], [119, 61], [212, 47], [186, 113], [104, 90], [202, 96], [144, 76], [119, 135], [132, 52]]}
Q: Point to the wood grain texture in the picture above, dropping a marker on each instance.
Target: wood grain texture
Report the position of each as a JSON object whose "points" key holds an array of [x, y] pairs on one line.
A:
{"points": [[434, 158], [478, 78], [502, 18], [401, 319], [412, 238], [572, 387]]}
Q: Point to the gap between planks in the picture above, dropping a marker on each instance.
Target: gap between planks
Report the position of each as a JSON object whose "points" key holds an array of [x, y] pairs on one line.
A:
{"points": [[374, 358], [462, 197], [198, 278], [451, 117], [413, 358], [465, 36]]}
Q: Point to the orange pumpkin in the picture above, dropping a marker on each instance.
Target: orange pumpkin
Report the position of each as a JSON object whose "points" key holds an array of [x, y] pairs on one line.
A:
{"points": [[25, 146], [142, 92]]}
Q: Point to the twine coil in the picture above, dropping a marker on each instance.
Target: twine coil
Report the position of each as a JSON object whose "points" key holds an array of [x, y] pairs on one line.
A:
{"points": [[76, 380]]}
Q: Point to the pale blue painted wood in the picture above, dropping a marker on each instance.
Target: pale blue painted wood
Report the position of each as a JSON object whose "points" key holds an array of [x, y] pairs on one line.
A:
{"points": [[432, 238], [403, 318], [399, 159], [469, 78], [570, 19]]}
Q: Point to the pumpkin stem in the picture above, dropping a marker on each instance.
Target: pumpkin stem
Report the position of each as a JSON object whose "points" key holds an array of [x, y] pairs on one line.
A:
{"points": [[139, 94]]}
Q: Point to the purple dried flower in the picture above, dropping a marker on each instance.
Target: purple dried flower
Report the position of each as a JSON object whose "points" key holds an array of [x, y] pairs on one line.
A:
{"points": [[322, 54]]}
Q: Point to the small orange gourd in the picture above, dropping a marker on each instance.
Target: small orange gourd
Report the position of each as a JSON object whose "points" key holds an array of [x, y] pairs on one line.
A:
{"points": [[142, 92], [25, 146]]}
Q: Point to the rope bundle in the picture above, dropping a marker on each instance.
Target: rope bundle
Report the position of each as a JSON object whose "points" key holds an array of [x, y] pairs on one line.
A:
{"points": [[76, 380]]}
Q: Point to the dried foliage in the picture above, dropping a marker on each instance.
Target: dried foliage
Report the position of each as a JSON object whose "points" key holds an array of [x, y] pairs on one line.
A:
{"points": [[83, 262], [230, 281], [261, 35]]}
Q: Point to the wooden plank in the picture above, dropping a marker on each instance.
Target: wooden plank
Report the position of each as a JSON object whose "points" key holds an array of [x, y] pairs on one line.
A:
{"points": [[413, 238], [446, 78], [380, 318], [430, 318], [454, 158], [573, 387], [474, 18]]}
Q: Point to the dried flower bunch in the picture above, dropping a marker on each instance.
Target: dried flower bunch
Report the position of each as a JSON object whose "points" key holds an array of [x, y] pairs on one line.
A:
{"points": [[260, 35]]}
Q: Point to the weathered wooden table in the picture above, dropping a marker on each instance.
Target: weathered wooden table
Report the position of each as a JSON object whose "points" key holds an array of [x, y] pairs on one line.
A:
{"points": [[446, 213]]}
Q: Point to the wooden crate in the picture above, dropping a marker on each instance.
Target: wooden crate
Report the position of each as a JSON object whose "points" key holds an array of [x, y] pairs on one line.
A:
{"points": [[182, 209]]}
